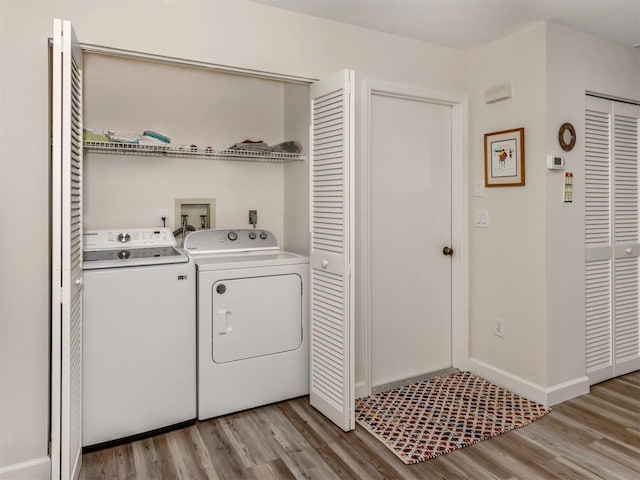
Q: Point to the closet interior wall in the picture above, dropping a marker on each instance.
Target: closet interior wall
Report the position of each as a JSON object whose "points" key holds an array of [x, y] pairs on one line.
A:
{"points": [[194, 106]]}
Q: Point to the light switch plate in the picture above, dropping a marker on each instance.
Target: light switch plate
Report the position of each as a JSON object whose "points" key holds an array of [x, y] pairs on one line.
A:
{"points": [[481, 218], [478, 188]]}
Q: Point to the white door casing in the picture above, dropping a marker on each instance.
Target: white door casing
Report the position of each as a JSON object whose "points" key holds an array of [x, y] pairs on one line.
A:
{"points": [[66, 256], [441, 103], [332, 248], [612, 243]]}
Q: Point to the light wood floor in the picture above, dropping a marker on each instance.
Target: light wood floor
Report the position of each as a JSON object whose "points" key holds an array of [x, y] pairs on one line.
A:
{"points": [[592, 437]]}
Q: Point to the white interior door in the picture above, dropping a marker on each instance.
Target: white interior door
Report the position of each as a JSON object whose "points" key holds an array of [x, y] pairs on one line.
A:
{"points": [[66, 254], [332, 389], [410, 224], [612, 243]]}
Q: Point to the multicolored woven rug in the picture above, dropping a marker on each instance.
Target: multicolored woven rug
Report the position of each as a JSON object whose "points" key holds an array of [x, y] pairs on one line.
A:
{"points": [[428, 419]]}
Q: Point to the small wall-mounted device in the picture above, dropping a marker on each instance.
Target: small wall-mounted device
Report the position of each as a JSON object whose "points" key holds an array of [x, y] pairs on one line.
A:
{"points": [[498, 93], [555, 162]]}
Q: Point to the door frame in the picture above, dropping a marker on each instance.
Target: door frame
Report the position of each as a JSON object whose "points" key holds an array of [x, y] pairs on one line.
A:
{"points": [[459, 220]]}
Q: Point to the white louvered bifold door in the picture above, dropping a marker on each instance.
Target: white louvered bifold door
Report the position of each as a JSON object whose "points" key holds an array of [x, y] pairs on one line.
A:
{"points": [[332, 250], [611, 238], [66, 253]]}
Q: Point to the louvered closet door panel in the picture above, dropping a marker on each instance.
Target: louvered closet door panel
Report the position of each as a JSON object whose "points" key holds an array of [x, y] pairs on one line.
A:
{"points": [[626, 250], [626, 313], [332, 360], [626, 178], [598, 270], [72, 266], [611, 239], [598, 316], [597, 179], [66, 282]]}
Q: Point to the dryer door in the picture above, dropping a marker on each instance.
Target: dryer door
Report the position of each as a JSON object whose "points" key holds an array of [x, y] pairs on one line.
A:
{"points": [[256, 316]]}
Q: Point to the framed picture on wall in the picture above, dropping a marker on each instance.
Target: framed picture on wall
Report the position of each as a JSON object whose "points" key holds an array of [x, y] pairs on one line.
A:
{"points": [[504, 158]]}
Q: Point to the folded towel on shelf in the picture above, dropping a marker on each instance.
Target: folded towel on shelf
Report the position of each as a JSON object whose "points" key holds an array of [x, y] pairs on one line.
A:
{"points": [[147, 140], [119, 137], [251, 146], [150, 134], [89, 135], [287, 147]]}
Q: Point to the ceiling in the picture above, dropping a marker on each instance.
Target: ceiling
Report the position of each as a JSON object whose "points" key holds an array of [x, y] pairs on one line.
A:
{"points": [[465, 24]]}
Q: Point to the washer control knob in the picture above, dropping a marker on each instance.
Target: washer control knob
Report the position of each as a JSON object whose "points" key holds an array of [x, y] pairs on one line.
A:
{"points": [[263, 235], [252, 235], [233, 236], [124, 237]]}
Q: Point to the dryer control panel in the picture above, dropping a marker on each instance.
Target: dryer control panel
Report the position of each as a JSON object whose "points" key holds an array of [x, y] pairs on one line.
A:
{"points": [[229, 241]]}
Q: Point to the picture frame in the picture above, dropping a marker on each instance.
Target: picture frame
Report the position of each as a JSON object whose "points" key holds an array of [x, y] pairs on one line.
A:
{"points": [[504, 158]]}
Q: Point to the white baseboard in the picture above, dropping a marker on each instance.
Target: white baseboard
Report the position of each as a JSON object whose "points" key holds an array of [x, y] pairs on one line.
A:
{"points": [[361, 390], [544, 395], [507, 380], [36, 469], [566, 391]]}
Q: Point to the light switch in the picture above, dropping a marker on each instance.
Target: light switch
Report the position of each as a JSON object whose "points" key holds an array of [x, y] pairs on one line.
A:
{"points": [[481, 218], [478, 188]]}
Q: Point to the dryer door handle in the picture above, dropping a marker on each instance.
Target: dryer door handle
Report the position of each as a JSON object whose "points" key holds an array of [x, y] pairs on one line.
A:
{"points": [[223, 322]]}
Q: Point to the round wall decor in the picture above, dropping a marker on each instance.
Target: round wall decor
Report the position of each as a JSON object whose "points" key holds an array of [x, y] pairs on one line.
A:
{"points": [[567, 136]]}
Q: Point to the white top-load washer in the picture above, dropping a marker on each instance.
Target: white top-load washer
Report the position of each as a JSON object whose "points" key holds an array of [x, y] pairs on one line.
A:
{"points": [[139, 336], [253, 320]]}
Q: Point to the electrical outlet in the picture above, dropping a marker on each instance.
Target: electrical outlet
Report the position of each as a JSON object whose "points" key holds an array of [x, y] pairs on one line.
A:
{"points": [[163, 213], [498, 327]]}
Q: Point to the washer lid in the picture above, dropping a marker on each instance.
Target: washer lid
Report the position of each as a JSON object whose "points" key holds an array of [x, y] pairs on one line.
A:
{"points": [[248, 260]]}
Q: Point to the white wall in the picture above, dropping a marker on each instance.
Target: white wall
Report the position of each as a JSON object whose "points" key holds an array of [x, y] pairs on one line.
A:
{"points": [[296, 175], [575, 63], [528, 266], [192, 106], [507, 259], [225, 32]]}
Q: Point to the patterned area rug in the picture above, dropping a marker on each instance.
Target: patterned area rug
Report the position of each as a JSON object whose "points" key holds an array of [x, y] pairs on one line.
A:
{"points": [[428, 419]]}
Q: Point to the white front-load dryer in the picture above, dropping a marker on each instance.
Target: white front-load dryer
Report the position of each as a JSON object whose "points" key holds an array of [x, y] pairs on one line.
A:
{"points": [[253, 321]]}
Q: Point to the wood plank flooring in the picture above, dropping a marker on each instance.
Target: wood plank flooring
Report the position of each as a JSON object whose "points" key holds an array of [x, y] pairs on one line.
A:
{"points": [[596, 436]]}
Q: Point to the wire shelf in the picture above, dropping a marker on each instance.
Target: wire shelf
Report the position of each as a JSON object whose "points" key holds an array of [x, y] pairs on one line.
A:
{"points": [[191, 152]]}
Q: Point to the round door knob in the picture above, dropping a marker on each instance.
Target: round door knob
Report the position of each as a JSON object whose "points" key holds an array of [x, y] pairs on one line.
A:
{"points": [[628, 251], [447, 251], [78, 281], [324, 263]]}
